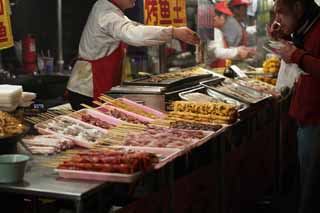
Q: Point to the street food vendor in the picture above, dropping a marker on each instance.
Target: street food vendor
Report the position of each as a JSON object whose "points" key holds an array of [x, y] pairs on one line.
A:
{"points": [[218, 50], [101, 47], [234, 28]]}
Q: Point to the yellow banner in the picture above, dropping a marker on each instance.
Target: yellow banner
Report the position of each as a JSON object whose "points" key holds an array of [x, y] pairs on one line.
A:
{"points": [[6, 38], [165, 12]]}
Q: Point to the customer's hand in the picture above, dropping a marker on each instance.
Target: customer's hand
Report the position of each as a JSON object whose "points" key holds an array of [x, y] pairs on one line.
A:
{"points": [[186, 35], [243, 52], [274, 31], [286, 51]]}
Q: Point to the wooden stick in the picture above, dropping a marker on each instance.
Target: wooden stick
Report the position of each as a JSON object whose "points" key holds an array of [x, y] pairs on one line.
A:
{"points": [[97, 103], [87, 106], [106, 99]]}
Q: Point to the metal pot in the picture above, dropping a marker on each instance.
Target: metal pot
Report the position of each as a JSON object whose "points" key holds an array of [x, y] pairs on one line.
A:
{"points": [[8, 144], [12, 168]]}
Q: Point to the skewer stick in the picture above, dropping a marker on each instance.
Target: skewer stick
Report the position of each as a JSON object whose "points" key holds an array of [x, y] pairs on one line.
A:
{"points": [[107, 99], [87, 106], [97, 103]]}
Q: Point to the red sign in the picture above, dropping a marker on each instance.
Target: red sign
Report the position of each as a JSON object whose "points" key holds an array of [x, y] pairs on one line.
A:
{"points": [[6, 39], [165, 12]]}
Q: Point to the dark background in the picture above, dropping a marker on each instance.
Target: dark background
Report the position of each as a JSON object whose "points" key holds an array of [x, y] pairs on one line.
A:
{"points": [[39, 18]]}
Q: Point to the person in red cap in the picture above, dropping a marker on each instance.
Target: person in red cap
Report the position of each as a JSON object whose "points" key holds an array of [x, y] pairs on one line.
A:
{"points": [[234, 29], [218, 50]]}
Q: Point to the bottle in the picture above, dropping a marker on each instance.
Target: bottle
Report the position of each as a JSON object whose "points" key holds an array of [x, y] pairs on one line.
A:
{"points": [[29, 54]]}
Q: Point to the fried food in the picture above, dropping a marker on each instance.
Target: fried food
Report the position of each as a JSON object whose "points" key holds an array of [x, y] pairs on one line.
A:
{"points": [[204, 112], [9, 125]]}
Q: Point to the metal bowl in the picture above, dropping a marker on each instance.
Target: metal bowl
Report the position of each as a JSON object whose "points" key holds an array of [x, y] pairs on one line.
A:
{"points": [[8, 144], [12, 167]]}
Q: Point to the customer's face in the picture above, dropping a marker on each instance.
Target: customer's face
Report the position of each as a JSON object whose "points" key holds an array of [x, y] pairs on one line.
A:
{"points": [[288, 16]]}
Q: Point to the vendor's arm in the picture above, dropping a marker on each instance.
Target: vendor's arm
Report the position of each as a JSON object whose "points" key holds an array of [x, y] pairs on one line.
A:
{"points": [[216, 49], [132, 33]]}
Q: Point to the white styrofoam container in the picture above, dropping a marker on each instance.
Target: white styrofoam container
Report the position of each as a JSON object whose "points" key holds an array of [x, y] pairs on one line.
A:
{"points": [[10, 94]]}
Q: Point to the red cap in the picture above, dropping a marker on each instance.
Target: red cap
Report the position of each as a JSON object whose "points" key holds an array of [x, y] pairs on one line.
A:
{"points": [[222, 7], [239, 2]]}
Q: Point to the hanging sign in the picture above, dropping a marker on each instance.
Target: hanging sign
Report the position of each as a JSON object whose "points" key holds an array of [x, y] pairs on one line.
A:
{"points": [[165, 12], [6, 39]]}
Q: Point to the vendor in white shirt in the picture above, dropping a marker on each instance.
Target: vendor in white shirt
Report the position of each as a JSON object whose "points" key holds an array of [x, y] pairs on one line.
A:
{"points": [[101, 48], [218, 50]]}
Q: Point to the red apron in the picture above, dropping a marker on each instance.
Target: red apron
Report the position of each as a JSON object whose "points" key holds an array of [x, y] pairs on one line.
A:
{"points": [[106, 71], [245, 37], [220, 62]]}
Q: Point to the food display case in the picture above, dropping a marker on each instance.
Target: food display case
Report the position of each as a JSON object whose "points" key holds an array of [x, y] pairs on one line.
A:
{"points": [[202, 93], [159, 91], [237, 91]]}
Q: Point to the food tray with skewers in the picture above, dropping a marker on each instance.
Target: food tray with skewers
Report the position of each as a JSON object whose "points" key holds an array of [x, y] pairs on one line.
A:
{"points": [[83, 134], [161, 137], [259, 86], [170, 79], [203, 94], [234, 90], [156, 113], [165, 155], [117, 164], [96, 118], [124, 115]]}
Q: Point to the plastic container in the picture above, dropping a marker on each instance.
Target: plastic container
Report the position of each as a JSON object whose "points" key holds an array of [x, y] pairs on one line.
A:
{"points": [[166, 155], [43, 129], [143, 107], [98, 176], [12, 168], [96, 114], [10, 94], [105, 107]]}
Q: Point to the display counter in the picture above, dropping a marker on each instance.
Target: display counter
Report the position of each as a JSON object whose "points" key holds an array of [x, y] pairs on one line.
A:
{"points": [[224, 172]]}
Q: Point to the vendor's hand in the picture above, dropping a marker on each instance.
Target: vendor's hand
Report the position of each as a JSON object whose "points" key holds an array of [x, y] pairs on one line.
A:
{"points": [[186, 35], [252, 51], [243, 52], [286, 51]]}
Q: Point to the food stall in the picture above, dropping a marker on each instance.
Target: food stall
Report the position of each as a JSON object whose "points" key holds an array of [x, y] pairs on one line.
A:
{"points": [[186, 140]]}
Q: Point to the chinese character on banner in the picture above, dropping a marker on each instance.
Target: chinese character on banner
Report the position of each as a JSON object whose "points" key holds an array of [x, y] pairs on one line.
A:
{"points": [[3, 33], [6, 39], [1, 8], [151, 12], [165, 12]]}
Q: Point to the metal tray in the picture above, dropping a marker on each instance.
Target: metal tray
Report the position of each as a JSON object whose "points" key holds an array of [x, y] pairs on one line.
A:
{"points": [[253, 95], [168, 82], [216, 96]]}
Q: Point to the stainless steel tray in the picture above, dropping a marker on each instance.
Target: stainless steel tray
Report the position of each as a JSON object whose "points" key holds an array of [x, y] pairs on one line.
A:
{"points": [[216, 96], [236, 91]]}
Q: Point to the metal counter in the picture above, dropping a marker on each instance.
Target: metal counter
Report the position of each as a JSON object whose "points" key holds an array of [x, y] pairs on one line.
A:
{"points": [[41, 181]]}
